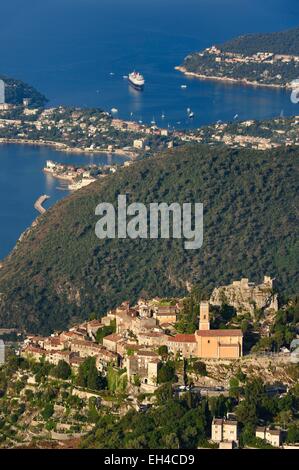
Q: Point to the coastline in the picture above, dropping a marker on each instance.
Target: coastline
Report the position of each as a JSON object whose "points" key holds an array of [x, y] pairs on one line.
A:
{"points": [[64, 148], [240, 81], [59, 177]]}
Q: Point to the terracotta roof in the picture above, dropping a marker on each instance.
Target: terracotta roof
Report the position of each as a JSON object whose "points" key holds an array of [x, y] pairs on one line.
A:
{"points": [[260, 429], [52, 340], [167, 309], [274, 432], [77, 360], [225, 421], [34, 350], [219, 333], [217, 421], [153, 334], [94, 323], [133, 347], [147, 353], [68, 333], [87, 344], [36, 338], [182, 338], [166, 314], [58, 353], [113, 337]]}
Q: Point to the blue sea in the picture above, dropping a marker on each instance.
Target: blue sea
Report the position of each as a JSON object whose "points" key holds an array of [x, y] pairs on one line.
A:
{"points": [[77, 51]]}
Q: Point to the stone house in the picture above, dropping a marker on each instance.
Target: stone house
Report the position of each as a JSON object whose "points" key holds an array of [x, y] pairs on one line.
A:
{"points": [[152, 338], [107, 319], [184, 344], [54, 343], [144, 365], [224, 430], [33, 352], [272, 436], [92, 327], [110, 342], [54, 357], [166, 314]]}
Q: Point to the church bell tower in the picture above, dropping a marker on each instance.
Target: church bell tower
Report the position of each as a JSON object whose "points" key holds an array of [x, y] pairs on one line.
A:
{"points": [[204, 316]]}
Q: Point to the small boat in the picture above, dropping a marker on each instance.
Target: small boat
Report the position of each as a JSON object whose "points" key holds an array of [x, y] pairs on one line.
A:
{"points": [[114, 110], [191, 115], [111, 73], [236, 116], [163, 116], [153, 121], [183, 87], [125, 77]]}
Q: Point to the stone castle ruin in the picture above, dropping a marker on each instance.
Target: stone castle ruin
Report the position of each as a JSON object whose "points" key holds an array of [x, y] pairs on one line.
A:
{"points": [[246, 296]]}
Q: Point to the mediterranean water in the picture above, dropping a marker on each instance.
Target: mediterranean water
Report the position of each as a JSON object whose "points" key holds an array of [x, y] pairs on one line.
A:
{"points": [[77, 52]]}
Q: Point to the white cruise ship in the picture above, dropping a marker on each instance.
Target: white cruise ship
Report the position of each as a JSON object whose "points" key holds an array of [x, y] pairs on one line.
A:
{"points": [[136, 80]]}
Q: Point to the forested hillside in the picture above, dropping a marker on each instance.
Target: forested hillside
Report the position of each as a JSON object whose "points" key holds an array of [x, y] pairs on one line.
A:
{"points": [[17, 90], [61, 272], [281, 42]]}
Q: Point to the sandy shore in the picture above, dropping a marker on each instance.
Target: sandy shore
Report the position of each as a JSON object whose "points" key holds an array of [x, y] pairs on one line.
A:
{"points": [[227, 79]]}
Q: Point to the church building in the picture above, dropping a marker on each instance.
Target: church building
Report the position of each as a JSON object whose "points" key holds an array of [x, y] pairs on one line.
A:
{"points": [[207, 343]]}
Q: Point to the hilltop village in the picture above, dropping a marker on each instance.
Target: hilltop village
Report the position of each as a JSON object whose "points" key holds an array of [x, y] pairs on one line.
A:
{"points": [[57, 388], [140, 331]]}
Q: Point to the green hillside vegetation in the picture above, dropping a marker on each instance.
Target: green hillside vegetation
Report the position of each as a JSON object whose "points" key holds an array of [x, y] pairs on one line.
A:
{"points": [[61, 272], [17, 90], [281, 42]]}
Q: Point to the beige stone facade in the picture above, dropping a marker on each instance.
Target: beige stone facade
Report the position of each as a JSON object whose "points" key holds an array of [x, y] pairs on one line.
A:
{"points": [[206, 343], [219, 344], [272, 436], [183, 344], [111, 341], [166, 314], [224, 430], [144, 365]]}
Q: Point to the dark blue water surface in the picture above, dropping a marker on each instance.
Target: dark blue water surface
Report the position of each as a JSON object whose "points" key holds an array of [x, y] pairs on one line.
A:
{"points": [[69, 48], [22, 181]]}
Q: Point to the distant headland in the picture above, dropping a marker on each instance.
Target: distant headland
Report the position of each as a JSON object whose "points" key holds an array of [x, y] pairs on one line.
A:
{"points": [[270, 60]]}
